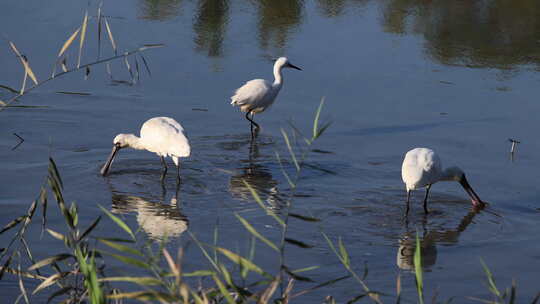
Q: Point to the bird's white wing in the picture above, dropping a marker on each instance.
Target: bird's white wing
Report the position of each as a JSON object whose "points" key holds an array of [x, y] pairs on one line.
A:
{"points": [[166, 137], [421, 167], [253, 92]]}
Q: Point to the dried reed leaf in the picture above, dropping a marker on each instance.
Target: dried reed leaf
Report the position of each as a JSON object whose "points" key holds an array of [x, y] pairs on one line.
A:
{"points": [[13, 223], [6, 266], [68, 42], [170, 261], [82, 37], [12, 90], [288, 290], [29, 253], [151, 46], [56, 235], [50, 260], [2, 103], [269, 291], [28, 71], [21, 286], [50, 280], [111, 38]]}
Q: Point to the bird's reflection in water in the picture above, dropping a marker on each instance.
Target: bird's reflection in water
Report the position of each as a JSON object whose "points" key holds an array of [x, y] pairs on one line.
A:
{"points": [[428, 242], [258, 177], [159, 220]]}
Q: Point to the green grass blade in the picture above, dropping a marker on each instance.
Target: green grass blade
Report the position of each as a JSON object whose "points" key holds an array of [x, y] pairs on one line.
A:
{"points": [[128, 260], [226, 294], [418, 270], [119, 222], [243, 261], [122, 248], [291, 151], [261, 204], [316, 120], [491, 281], [255, 233], [143, 281]]}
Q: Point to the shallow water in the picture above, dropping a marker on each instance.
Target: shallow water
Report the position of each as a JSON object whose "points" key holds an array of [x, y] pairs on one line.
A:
{"points": [[458, 77]]}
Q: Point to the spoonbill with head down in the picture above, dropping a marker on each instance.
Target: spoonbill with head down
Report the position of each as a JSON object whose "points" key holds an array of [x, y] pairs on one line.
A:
{"points": [[161, 135], [422, 168], [257, 95]]}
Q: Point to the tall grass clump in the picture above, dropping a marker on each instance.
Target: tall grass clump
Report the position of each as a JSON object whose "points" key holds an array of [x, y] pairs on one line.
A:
{"points": [[133, 59]]}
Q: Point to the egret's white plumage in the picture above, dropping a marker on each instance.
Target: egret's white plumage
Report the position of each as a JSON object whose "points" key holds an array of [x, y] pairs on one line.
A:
{"points": [[161, 135], [257, 95], [422, 168]]}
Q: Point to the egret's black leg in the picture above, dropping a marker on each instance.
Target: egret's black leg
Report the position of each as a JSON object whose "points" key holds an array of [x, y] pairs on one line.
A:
{"points": [[408, 200], [253, 133], [425, 198], [178, 173], [164, 173]]}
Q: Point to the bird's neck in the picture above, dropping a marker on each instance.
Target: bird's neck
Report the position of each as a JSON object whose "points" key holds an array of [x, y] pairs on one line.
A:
{"points": [[136, 143], [278, 76], [450, 174]]}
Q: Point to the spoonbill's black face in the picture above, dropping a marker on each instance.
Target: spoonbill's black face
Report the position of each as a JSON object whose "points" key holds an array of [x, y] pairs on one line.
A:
{"points": [[476, 201], [107, 166]]}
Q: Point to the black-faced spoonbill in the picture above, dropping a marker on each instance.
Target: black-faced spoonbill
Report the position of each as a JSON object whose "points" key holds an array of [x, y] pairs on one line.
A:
{"points": [[161, 135], [422, 168], [257, 95]]}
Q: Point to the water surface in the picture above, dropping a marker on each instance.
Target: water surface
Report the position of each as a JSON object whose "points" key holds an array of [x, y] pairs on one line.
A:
{"points": [[459, 77]]}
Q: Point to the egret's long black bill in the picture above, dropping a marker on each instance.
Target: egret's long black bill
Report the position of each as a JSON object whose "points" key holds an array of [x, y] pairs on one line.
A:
{"points": [[107, 167], [294, 67], [476, 201]]}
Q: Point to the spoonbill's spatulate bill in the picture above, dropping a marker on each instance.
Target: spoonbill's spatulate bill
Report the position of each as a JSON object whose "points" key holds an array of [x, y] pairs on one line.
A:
{"points": [[422, 168], [257, 95], [161, 135]]}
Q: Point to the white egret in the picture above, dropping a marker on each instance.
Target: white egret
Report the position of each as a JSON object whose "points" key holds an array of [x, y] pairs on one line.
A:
{"points": [[422, 168], [257, 95], [161, 135]]}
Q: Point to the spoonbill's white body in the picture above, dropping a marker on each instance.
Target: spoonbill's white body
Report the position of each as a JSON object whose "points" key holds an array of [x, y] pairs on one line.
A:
{"points": [[422, 168], [161, 135], [257, 95]]}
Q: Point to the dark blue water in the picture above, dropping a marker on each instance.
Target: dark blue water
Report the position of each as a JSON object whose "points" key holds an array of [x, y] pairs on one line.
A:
{"points": [[458, 77]]}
